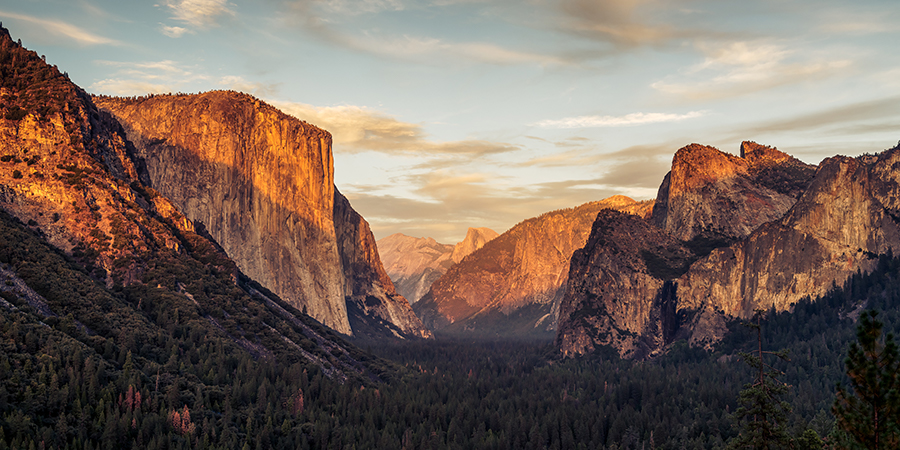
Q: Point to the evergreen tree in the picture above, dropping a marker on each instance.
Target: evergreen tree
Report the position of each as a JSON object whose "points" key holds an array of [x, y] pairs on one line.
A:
{"points": [[763, 413], [870, 417]]}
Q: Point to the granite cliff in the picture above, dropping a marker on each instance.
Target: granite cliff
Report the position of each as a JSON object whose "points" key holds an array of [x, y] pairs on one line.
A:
{"points": [[474, 240], [512, 286], [415, 263], [710, 194], [747, 252], [87, 240], [261, 183]]}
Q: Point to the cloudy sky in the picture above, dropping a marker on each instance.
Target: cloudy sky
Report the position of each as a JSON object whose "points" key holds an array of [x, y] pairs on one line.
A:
{"points": [[448, 114]]}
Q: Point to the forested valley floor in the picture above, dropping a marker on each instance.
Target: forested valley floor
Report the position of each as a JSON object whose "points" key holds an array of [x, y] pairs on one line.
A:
{"points": [[138, 367]]}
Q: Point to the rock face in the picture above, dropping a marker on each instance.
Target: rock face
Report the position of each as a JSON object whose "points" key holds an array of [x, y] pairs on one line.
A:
{"points": [[261, 183], [512, 286], [475, 239], [842, 218], [415, 263], [66, 171], [840, 224], [710, 194], [611, 297], [374, 306]]}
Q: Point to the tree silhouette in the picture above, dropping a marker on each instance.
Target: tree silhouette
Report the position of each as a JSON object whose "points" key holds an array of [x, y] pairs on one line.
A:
{"points": [[870, 417], [762, 412]]}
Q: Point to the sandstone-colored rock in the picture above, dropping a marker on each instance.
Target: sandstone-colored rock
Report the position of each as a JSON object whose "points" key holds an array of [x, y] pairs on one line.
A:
{"points": [[474, 240], [414, 263], [837, 227], [513, 285], [261, 183], [711, 194], [842, 219]]}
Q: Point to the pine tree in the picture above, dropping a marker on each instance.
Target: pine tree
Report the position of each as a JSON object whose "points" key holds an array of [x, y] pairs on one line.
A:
{"points": [[762, 411], [870, 417]]}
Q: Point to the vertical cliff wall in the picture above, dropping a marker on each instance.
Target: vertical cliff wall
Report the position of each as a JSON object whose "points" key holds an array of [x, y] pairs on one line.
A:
{"points": [[372, 301], [261, 183], [637, 297], [839, 225]]}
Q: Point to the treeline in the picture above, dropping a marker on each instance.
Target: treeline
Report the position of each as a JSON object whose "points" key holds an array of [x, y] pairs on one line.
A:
{"points": [[144, 366]]}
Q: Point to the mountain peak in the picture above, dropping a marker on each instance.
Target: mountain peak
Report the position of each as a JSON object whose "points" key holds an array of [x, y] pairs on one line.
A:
{"points": [[716, 195], [475, 239]]}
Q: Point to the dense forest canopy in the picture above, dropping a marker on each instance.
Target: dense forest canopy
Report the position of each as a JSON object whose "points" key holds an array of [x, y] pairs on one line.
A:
{"points": [[139, 368]]}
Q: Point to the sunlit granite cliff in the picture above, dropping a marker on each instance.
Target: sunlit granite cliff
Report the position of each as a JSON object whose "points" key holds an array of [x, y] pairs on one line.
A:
{"points": [[728, 235], [261, 183], [512, 286]]}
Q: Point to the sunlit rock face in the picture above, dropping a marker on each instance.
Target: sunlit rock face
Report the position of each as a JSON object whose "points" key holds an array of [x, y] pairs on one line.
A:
{"points": [[261, 183], [839, 225], [843, 216], [710, 194], [415, 263], [66, 172], [512, 285], [475, 239]]}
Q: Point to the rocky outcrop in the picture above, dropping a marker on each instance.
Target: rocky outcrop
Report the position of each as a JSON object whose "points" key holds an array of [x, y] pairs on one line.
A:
{"points": [[66, 171], [374, 306], [840, 224], [712, 195], [513, 285], [474, 240], [612, 297], [415, 263], [842, 218], [261, 183]]}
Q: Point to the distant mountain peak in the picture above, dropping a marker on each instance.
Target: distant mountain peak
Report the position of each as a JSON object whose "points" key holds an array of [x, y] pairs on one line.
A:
{"points": [[475, 239]]}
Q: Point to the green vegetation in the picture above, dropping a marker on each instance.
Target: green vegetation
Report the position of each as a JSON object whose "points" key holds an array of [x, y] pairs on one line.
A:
{"points": [[145, 366], [870, 419]]}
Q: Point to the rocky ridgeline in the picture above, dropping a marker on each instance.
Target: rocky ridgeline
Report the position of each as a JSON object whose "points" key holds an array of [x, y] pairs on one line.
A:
{"points": [[738, 234], [261, 183], [415, 263], [512, 286]]}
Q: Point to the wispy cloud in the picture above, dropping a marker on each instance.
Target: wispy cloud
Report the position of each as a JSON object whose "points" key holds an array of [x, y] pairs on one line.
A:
{"points": [[173, 32], [845, 117], [323, 20], [739, 68], [258, 89], [63, 30], [618, 121], [138, 78], [195, 14], [358, 129], [618, 22]]}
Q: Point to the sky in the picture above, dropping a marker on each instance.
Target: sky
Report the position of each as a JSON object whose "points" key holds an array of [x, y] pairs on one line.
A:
{"points": [[449, 114]]}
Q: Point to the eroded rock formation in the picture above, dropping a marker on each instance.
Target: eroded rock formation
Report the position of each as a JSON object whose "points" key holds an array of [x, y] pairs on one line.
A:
{"points": [[710, 194], [513, 285], [837, 222], [415, 263], [261, 183]]}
